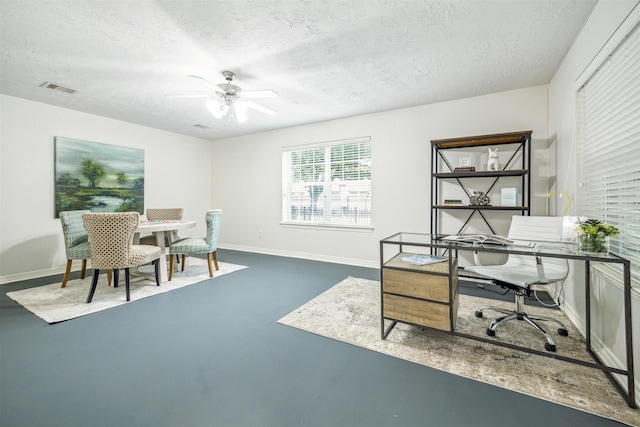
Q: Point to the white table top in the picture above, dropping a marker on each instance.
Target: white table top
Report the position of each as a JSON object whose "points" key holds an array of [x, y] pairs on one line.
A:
{"points": [[164, 225]]}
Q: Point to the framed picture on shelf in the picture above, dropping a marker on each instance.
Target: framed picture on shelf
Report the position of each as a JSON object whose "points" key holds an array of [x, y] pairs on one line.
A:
{"points": [[464, 161]]}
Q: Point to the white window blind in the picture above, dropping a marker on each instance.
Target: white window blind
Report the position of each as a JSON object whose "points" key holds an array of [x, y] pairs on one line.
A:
{"points": [[609, 141], [327, 183]]}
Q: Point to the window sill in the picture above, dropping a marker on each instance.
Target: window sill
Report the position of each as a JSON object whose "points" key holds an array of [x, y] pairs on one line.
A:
{"points": [[332, 227]]}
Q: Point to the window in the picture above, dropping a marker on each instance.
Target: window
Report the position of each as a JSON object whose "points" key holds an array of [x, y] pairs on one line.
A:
{"points": [[327, 183], [609, 137]]}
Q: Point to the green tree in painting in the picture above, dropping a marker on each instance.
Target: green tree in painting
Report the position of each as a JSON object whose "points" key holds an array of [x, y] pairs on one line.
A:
{"points": [[68, 180], [138, 184], [122, 178], [93, 172]]}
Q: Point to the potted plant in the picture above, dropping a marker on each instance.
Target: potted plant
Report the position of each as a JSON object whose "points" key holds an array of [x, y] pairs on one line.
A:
{"points": [[593, 235]]}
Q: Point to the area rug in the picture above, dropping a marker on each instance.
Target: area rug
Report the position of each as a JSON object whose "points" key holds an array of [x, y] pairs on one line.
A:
{"points": [[350, 312], [55, 304]]}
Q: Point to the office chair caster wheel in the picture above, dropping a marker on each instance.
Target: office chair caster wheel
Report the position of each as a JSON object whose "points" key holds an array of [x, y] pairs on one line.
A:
{"points": [[491, 332], [563, 332], [549, 347], [478, 314]]}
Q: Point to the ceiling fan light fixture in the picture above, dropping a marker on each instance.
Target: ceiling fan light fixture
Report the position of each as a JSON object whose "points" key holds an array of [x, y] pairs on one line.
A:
{"points": [[236, 113], [241, 107], [232, 111], [231, 102], [241, 111], [241, 117], [216, 109]]}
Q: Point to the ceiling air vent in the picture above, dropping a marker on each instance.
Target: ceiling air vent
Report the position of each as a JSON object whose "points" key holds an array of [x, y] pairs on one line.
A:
{"points": [[49, 85]]}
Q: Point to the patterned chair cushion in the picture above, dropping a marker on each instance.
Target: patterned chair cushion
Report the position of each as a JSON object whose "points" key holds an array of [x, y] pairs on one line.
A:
{"points": [[79, 251], [190, 245], [143, 254]]}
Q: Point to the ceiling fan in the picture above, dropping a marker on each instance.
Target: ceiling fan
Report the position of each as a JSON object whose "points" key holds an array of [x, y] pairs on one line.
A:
{"points": [[230, 101]]}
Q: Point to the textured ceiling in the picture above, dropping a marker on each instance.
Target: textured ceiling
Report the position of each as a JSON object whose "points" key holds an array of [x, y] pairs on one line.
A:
{"points": [[327, 59]]}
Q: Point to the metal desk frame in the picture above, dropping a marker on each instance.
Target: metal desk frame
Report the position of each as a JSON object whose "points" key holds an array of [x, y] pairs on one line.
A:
{"points": [[545, 249]]}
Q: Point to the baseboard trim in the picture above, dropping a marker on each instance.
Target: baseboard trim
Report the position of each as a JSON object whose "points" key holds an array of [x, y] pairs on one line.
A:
{"points": [[34, 274], [303, 255]]}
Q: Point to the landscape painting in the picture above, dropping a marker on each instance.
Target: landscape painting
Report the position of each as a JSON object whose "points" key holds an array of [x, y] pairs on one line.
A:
{"points": [[98, 177]]}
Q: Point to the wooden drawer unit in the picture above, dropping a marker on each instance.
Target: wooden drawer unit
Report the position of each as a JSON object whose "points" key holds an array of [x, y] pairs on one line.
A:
{"points": [[422, 295]]}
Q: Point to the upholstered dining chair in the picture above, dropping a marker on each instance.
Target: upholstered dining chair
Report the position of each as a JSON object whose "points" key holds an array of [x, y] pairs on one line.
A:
{"points": [[199, 245], [522, 272], [76, 242], [111, 241], [160, 215]]}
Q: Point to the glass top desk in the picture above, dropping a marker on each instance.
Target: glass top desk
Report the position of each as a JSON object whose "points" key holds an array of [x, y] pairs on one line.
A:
{"points": [[400, 243]]}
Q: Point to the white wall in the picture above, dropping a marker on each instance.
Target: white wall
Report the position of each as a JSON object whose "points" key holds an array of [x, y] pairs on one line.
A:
{"points": [[247, 172], [243, 176], [607, 324], [177, 174]]}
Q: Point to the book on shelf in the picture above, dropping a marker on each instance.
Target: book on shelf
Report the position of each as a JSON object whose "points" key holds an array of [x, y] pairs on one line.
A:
{"points": [[509, 196], [491, 239], [420, 259], [453, 202], [465, 169]]}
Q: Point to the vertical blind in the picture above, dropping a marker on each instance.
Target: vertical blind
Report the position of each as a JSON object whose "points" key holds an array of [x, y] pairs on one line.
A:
{"points": [[609, 140], [327, 183]]}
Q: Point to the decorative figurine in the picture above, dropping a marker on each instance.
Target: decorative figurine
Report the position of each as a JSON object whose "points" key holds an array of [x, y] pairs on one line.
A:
{"points": [[492, 163], [479, 199]]}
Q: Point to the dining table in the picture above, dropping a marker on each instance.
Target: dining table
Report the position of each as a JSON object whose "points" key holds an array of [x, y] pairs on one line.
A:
{"points": [[159, 228]]}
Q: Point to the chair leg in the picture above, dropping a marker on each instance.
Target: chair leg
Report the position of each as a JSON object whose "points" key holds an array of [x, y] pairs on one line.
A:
{"points": [[66, 273], [209, 264], [157, 271], [551, 345], [126, 281], [519, 314], [498, 309], [215, 259], [84, 268], [109, 277], [94, 284], [116, 273], [170, 266], [547, 319], [183, 263]]}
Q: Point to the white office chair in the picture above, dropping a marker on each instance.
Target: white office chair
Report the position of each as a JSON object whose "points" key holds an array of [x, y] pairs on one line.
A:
{"points": [[521, 272]]}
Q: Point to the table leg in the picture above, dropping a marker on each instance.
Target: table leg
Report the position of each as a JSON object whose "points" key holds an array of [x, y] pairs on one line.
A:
{"points": [[163, 255]]}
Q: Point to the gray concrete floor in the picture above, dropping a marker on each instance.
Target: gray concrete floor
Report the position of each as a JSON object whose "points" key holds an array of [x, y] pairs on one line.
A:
{"points": [[212, 354]]}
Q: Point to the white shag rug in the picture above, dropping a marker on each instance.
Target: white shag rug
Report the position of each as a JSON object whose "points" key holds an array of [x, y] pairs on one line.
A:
{"points": [[55, 304], [350, 312]]}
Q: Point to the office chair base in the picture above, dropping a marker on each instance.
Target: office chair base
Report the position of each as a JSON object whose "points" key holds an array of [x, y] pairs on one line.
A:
{"points": [[550, 345]]}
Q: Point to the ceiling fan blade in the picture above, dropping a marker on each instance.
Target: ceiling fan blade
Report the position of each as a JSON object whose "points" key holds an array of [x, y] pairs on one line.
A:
{"points": [[206, 82], [266, 93], [261, 108]]}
